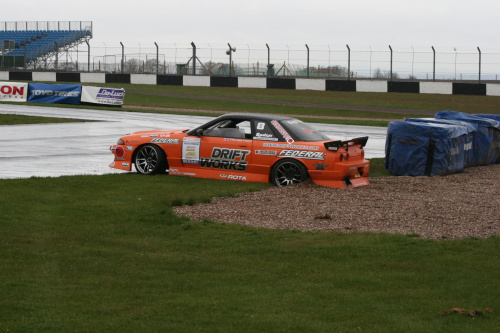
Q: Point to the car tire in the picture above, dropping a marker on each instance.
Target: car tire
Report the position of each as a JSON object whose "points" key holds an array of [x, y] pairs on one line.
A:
{"points": [[150, 160], [288, 172]]}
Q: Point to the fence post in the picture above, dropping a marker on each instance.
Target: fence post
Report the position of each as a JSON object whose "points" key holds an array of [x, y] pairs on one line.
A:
{"points": [[157, 60], [390, 48], [348, 62], [230, 53], [268, 60], [194, 58], [307, 61], [479, 63], [433, 64], [57, 55], [123, 54], [88, 55]]}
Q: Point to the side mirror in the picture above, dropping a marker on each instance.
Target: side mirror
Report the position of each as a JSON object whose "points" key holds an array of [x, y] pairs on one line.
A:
{"points": [[199, 132]]}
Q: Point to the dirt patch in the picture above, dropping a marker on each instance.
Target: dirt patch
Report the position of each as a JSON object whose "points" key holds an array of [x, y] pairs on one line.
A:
{"points": [[450, 207]]}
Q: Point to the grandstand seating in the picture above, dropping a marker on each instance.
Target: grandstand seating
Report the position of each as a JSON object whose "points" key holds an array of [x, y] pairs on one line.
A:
{"points": [[39, 43]]}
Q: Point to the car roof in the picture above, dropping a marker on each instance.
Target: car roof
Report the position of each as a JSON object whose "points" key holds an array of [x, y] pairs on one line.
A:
{"points": [[241, 116], [256, 116]]}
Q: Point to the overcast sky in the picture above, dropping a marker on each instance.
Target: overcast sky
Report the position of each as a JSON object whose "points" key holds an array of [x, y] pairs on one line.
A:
{"points": [[419, 23]]}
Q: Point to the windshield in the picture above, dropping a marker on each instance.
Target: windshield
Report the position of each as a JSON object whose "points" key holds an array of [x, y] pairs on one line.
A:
{"points": [[303, 131]]}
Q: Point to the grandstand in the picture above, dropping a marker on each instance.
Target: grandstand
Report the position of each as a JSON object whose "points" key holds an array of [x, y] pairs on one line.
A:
{"points": [[26, 44]]}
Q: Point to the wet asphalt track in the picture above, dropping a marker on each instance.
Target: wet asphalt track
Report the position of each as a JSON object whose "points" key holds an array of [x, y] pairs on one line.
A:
{"points": [[52, 150]]}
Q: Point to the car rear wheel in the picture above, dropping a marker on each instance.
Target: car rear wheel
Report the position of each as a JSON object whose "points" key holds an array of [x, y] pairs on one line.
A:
{"points": [[288, 172], [150, 160]]}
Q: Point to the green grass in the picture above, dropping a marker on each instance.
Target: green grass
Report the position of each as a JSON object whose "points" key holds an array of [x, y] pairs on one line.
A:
{"points": [[14, 119], [106, 253]]}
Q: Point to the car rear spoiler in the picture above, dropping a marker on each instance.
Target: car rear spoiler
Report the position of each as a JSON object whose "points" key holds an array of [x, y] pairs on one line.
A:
{"points": [[334, 145]]}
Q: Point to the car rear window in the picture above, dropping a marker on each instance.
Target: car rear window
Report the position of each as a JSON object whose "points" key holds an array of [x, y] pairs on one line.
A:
{"points": [[302, 131]]}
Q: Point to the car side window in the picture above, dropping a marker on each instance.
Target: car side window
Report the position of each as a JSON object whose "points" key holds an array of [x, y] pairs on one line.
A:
{"points": [[263, 131], [227, 129]]}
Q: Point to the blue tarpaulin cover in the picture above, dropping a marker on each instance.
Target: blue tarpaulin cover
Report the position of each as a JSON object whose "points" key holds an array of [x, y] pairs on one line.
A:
{"points": [[469, 141], [487, 143], [425, 149], [491, 116]]}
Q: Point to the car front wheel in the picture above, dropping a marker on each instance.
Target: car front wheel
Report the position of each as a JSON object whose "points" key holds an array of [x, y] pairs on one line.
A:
{"points": [[150, 160], [288, 172]]}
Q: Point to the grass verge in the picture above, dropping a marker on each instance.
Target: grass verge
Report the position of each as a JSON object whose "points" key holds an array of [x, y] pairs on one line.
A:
{"points": [[106, 253]]}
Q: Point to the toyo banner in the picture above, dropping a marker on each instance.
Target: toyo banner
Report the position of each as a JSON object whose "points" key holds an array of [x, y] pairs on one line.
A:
{"points": [[101, 95], [54, 93], [13, 92]]}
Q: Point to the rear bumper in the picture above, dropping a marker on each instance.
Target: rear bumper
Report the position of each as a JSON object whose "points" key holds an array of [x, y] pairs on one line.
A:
{"points": [[343, 175]]}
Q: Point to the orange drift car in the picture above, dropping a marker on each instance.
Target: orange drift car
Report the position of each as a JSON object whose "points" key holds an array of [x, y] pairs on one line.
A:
{"points": [[247, 147]]}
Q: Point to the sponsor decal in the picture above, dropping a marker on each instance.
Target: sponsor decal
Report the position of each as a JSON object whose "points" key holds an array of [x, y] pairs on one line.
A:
{"points": [[281, 145], [177, 172], [101, 95], [233, 177], [55, 93], [131, 141], [283, 132], [191, 139], [111, 93], [125, 164], [305, 154], [320, 166], [307, 130], [166, 141], [265, 152], [261, 126], [191, 150], [237, 140], [130, 148], [153, 135], [226, 159], [266, 139]]}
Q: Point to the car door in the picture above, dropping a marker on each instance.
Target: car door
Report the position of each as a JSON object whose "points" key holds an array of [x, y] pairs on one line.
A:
{"points": [[219, 152]]}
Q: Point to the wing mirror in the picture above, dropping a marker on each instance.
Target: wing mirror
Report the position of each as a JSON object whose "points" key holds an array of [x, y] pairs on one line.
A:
{"points": [[199, 132]]}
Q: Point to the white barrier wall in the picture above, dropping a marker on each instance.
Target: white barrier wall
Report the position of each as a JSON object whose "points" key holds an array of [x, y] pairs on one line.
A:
{"points": [[436, 88], [196, 81], [310, 84], [492, 89], [44, 76], [143, 79], [4, 76], [252, 82], [371, 86], [93, 77]]}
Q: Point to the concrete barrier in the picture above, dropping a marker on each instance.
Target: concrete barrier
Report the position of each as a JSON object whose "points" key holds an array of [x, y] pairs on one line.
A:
{"points": [[252, 82], [445, 88], [310, 84], [196, 81], [93, 77], [143, 79], [371, 86], [44, 76], [493, 89]]}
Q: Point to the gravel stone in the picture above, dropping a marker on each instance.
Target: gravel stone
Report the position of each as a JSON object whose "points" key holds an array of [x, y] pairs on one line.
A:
{"points": [[455, 206]]}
